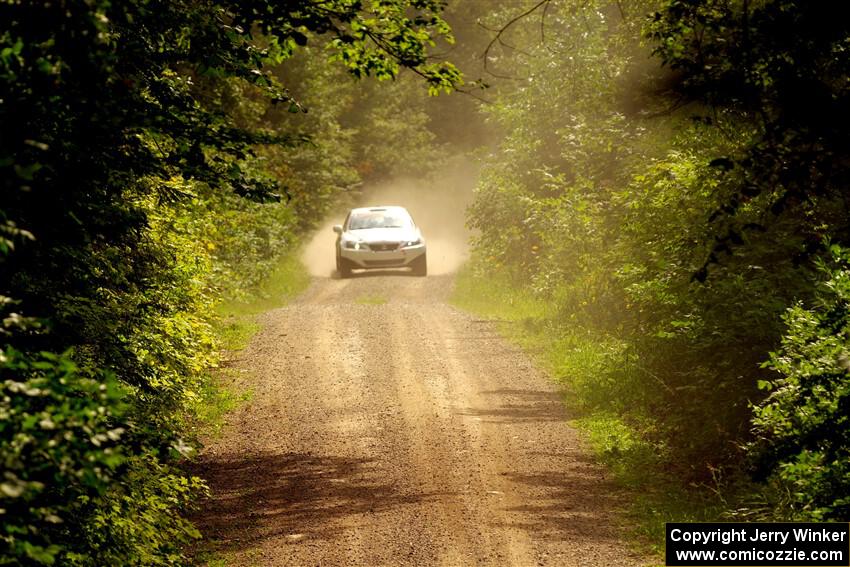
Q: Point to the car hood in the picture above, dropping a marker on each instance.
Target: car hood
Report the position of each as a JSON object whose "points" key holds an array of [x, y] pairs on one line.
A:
{"points": [[383, 234]]}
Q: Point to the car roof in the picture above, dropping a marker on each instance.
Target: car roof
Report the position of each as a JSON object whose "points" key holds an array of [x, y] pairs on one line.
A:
{"points": [[379, 208]]}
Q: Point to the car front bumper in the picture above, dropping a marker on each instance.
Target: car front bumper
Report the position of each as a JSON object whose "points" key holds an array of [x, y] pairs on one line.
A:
{"points": [[374, 259]]}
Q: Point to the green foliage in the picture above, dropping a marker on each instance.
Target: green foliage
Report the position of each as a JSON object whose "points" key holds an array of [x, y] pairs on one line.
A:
{"points": [[139, 521], [802, 428], [61, 441], [236, 324], [360, 133], [489, 292], [778, 69], [280, 284], [220, 395], [398, 40]]}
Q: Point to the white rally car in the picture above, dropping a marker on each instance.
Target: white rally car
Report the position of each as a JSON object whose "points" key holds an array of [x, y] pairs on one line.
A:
{"points": [[379, 237]]}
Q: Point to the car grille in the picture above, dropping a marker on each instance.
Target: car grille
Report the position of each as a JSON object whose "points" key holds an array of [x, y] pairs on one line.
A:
{"points": [[383, 246], [384, 262]]}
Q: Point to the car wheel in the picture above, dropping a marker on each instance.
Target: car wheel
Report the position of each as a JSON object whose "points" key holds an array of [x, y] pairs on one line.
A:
{"points": [[420, 266], [342, 267]]}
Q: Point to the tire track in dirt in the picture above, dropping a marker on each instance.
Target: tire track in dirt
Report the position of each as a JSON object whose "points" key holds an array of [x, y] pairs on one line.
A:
{"points": [[400, 433]]}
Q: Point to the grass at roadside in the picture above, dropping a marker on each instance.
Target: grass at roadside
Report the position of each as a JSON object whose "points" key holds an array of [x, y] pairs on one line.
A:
{"points": [[219, 396], [238, 323], [222, 392], [575, 358], [493, 298]]}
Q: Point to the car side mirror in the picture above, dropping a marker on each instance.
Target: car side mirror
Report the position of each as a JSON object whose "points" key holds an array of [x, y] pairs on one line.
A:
{"points": [[338, 228]]}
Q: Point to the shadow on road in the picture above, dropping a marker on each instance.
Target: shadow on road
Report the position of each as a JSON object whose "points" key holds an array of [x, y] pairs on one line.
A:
{"points": [[569, 506], [513, 406], [289, 496]]}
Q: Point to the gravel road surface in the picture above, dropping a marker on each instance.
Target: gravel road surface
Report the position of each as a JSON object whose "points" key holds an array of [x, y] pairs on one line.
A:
{"points": [[388, 428]]}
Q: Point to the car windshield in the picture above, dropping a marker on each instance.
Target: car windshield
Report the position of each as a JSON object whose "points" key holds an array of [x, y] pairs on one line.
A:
{"points": [[378, 219]]}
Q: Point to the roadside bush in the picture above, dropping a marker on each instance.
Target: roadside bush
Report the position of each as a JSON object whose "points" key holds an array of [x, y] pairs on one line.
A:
{"points": [[140, 520], [802, 428], [61, 447]]}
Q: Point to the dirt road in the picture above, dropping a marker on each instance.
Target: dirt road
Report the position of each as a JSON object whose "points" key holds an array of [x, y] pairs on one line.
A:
{"points": [[388, 428]]}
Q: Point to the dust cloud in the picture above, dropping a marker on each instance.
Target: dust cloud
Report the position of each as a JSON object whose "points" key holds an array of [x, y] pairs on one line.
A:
{"points": [[437, 204]]}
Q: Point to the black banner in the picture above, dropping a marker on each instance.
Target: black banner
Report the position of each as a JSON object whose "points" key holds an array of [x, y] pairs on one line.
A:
{"points": [[758, 544]]}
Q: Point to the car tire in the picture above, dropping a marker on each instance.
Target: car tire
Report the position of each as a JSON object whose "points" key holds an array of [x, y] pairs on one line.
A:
{"points": [[420, 266], [343, 269]]}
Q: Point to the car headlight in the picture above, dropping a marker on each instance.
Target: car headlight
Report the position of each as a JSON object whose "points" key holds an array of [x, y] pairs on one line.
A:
{"points": [[354, 245], [416, 242]]}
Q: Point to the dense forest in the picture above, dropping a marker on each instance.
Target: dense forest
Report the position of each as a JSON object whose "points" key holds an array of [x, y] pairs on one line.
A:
{"points": [[661, 206]]}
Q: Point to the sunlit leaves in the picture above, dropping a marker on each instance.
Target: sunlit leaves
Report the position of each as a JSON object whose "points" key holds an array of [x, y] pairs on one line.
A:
{"points": [[60, 441]]}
